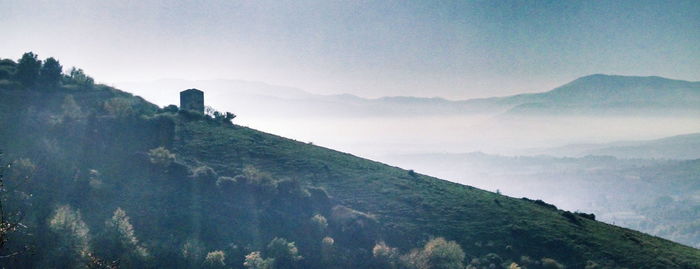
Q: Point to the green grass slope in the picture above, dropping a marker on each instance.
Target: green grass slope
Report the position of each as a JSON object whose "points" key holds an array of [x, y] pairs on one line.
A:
{"points": [[413, 208], [113, 131]]}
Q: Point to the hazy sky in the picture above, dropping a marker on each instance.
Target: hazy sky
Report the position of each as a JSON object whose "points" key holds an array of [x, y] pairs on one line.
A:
{"points": [[453, 49]]}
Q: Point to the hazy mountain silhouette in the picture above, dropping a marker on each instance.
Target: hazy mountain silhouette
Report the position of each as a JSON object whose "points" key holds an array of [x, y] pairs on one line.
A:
{"points": [[675, 147], [594, 95]]}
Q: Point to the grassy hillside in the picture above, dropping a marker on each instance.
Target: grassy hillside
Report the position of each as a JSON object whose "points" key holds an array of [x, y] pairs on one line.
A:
{"points": [[114, 180], [659, 197]]}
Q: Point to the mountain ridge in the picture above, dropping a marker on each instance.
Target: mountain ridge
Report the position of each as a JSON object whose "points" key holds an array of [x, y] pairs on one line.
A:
{"points": [[596, 94]]}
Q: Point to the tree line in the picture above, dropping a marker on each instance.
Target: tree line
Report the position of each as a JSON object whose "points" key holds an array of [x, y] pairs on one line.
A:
{"points": [[30, 72]]}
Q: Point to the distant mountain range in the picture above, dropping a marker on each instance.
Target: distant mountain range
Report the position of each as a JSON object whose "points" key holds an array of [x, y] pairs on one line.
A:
{"points": [[675, 147], [594, 95]]}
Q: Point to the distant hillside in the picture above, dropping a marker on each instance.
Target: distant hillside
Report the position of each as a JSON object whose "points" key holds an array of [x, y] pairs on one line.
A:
{"points": [[611, 95], [115, 179], [675, 147], [594, 95]]}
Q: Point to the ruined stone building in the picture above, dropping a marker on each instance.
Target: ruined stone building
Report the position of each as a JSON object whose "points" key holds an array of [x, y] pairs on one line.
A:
{"points": [[193, 100]]}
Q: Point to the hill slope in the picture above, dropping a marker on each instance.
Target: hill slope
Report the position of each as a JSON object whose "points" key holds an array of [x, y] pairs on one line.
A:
{"points": [[233, 188], [674, 147], [610, 95]]}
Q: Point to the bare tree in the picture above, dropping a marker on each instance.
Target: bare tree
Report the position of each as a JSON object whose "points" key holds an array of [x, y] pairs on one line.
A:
{"points": [[9, 221]]}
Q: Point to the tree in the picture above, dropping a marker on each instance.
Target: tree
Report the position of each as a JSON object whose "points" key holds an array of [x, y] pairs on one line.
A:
{"points": [[19, 173], [78, 77], [28, 69], [437, 253], [50, 74], [6, 226], [443, 254], [121, 241], [320, 223], [215, 259], [72, 247], [120, 107], [7, 68], [285, 254], [161, 156], [280, 254], [254, 260], [226, 117], [386, 256], [193, 252]]}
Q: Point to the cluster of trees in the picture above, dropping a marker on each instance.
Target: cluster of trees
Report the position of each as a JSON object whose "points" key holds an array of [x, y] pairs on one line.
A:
{"points": [[444, 254], [30, 72], [73, 244]]}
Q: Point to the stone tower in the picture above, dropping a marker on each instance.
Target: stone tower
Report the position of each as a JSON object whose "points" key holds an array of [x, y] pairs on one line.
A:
{"points": [[193, 100]]}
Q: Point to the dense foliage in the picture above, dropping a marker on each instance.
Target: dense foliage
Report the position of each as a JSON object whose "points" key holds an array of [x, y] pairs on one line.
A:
{"points": [[118, 182]]}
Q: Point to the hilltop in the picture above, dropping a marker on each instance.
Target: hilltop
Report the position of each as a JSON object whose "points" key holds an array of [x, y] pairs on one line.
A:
{"points": [[116, 178], [615, 95]]}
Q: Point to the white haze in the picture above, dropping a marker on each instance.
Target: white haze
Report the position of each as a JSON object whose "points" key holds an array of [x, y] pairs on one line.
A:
{"points": [[292, 113]]}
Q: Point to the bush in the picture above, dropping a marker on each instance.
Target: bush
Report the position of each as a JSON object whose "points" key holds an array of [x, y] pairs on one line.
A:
{"points": [[6, 71], [590, 216], [70, 108], [549, 263], [193, 251], [437, 253], [219, 116], [320, 223], [221, 181], [386, 257], [215, 259], [540, 203], [21, 169], [327, 241], [291, 188], [161, 156], [7, 63], [258, 180], [171, 109], [204, 173], [514, 266], [254, 260], [120, 107], [283, 252], [443, 254], [571, 217], [78, 77]]}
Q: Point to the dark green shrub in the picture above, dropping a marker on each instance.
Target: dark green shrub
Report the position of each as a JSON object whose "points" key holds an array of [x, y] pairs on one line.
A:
{"points": [[50, 74], [28, 68], [171, 109]]}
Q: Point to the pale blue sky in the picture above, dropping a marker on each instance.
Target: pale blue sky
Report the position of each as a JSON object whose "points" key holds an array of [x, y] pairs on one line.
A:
{"points": [[453, 49]]}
